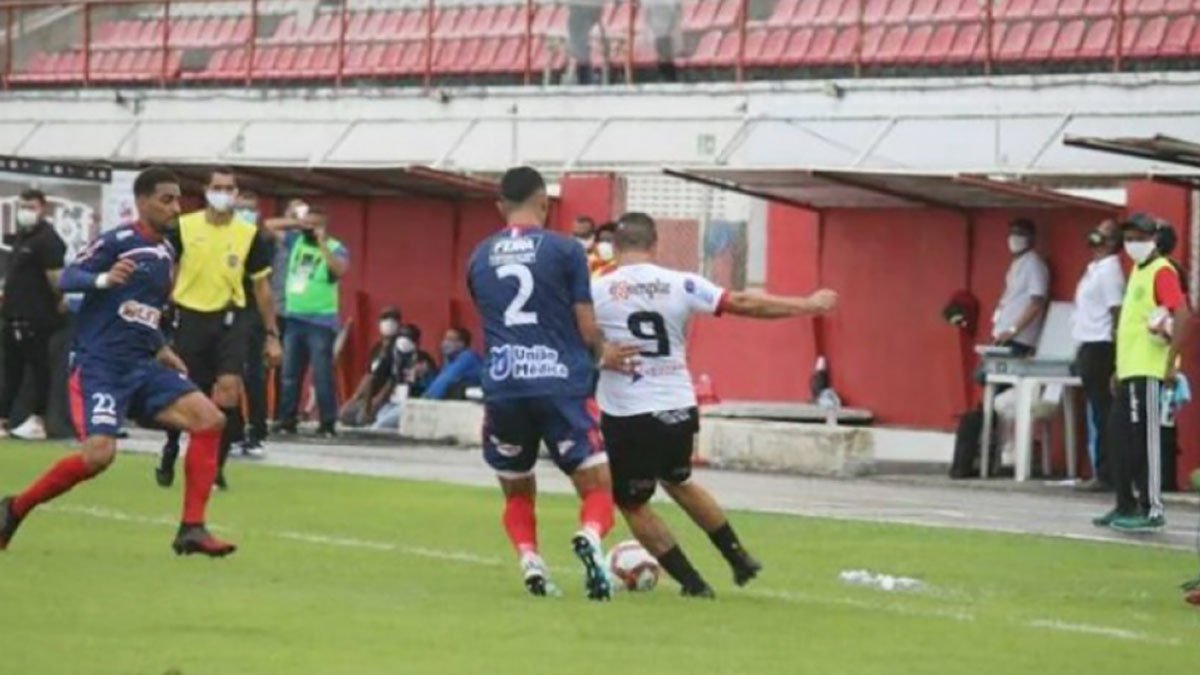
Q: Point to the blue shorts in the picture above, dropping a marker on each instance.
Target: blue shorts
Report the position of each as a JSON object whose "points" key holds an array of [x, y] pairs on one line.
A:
{"points": [[514, 429], [105, 393]]}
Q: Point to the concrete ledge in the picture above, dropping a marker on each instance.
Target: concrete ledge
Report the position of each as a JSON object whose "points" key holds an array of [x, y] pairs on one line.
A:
{"points": [[809, 449], [458, 422]]}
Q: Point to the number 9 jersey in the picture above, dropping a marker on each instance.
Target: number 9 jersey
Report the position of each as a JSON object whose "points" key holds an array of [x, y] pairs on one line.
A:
{"points": [[526, 282], [651, 306]]}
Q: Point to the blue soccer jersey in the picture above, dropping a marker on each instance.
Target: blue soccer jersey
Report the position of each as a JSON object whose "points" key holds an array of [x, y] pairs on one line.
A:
{"points": [[121, 324], [525, 282]]}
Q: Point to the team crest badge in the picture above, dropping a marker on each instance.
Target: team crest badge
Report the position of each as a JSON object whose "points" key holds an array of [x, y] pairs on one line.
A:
{"points": [[232, 260]]}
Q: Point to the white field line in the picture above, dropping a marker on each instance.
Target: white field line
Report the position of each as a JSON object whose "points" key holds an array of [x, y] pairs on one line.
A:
{"points": [[785, 596]]}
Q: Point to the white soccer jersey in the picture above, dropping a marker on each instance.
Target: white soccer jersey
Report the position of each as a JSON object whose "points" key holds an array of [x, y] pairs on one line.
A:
{"points": [[651, 306]]}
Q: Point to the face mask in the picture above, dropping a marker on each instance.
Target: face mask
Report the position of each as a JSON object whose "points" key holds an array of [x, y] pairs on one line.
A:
{"points": [[405, 345], [248, 215], [301, 211], [26, 218], [388, 327], [1139, 251], [605, 250], [220, 201], [1017, 243], [587, 241], [449, 349]]}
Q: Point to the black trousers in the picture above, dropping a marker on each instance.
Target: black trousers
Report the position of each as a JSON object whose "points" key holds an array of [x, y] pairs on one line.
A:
{"points": [[26, 345], [1095, 362], [1135, 446], [255, 380]]}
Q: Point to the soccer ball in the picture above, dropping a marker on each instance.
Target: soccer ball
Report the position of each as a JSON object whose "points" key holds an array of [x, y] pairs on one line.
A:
{"points": [[633, 566], [1161, 323]]}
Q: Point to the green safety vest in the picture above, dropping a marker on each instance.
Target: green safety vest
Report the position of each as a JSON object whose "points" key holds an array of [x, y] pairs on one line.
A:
{"points": [[310, 287], [1140, 353]]}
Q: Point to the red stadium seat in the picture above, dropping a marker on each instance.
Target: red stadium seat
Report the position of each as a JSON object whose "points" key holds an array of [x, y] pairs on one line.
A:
{"points": [[1150, 40], [1070, 37], [392, 23], [821, 46], [755, 39], [510, 20], [727, 14], [447, 21], [870, 44], [898, 11], [705, 16], [289, 59], [783, 12], [1011, 42], [968, 44], [356, 25], [487, 55], [892, 44], [482, 17], [940, 43], [796, 50], [1041, 45], [372, 27], [1178, 7], [838, 12], [372, 58], [1100, 8], [325, 61], [1071, 8], [414, 24], [1179, 36], [843, 47], [916, 47], [510, 58], [923, 10], [445, 54], [1133, 27], [467, 55], [1013, 9], [1044, 8], [1145, 7], [1098, 43], [390, 60], [874, 11], [706, 50], [356, 59], [415, 58], [773, 48], [228, 31]]}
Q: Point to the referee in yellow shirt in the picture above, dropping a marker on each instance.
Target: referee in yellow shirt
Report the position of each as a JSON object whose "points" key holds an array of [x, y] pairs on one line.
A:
{"points": [[216, 252]]}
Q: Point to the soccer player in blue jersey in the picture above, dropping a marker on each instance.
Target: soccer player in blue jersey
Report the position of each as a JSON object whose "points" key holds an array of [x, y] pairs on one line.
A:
{"points": [[532, 290], [123, 366]]}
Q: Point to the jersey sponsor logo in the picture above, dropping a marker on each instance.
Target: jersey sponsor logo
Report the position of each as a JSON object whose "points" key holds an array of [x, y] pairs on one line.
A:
{"points": [[518, 362], [136, 312], [505, 449], [518, 250], [704, 294], [657, 370], [124, 234], [623, 290], [232, 260]]}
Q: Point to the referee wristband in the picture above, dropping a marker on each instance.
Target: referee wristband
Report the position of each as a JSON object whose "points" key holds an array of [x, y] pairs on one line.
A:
{"points": [[102, 280]]}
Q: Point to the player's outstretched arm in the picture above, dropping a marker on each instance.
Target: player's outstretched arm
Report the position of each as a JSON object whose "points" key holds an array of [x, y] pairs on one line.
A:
{"points": [[79, 279], [765, 306]]}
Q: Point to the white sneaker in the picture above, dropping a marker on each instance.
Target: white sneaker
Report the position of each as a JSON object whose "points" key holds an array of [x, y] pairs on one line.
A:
{"points": [[537, 576], [32, 429]]}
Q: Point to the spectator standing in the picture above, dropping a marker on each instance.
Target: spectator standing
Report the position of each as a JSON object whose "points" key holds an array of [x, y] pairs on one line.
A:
{"points": [[662, 18], [1098, 300], [216, 250], [255, 376], [1147, 358], [603, 257], [1017, 323], [31, 312], [316, 264], [461, 369], [584, 229], [371, 393], [582, 16], [414, 370]]}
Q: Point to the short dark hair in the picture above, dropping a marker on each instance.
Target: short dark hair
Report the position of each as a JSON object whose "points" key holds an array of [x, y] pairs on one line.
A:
{"points": [[636, 232], [148, 180], [34, 195], [221, 169], [463, 334], [412, 330], [248, 192], [1023, 225], [607, 227], [390, 312], [520, 184]]}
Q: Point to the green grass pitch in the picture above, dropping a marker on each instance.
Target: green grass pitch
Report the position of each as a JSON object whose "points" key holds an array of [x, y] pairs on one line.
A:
{"points": [[353, 575]]}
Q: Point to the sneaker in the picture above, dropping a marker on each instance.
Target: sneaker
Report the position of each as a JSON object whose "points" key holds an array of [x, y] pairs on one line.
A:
{"points": [[746, 569], [1107, 519], [596, 582], [32, 429], [9, 522], [253, 449], [193, 539], [1139, 523], [326, 431], [537, 578], [164, 475], [284, 428], [706, 592]]}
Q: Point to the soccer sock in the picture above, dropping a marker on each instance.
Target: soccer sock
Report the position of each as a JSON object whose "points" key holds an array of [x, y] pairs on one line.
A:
{"points": [[61, 477], [727, 543], [680, 568], [520, 522], [232, 432], [596, 512], [200, 470]]}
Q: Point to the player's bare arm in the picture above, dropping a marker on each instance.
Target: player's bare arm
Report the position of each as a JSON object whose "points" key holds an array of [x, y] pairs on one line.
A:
{"points": [[264, 297], [766, 306]]}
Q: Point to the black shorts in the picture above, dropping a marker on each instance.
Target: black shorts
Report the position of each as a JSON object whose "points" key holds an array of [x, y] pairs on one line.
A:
{"points": [[646, 449], [212, 344]]}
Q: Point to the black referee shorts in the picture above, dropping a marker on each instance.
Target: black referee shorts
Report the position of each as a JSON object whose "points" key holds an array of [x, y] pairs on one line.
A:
{"points": [[646, 449], [212, 344]]}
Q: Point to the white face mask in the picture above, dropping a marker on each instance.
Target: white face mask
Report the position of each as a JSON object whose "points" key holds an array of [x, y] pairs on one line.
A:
{"points": [[388, 327], [1139, 251], [26, 218], [220, 201], [605, 251], [1017, 243], [301, 211], [405, 345]]}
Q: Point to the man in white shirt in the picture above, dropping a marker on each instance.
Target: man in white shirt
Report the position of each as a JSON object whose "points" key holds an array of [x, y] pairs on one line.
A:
{"points": [[1017, 322], [650, 418], [1098, 299]]}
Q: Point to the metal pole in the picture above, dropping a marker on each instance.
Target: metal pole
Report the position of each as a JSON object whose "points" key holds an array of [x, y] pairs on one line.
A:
{"points": [[87, 43], [743, 12], [166, 43], [1120, 52], [630, 40], [341, 43], [987, 32], [858, 42], [429, 44], [253, 41], [529, 40], [8, 40]]}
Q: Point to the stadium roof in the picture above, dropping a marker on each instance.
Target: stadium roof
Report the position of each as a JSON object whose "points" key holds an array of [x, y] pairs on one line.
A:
{"points": [[820, 189], [300, 181], [1157, 148]]}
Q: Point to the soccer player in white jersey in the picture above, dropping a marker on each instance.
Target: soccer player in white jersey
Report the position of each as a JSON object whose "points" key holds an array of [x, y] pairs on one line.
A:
{"points": [[650, 418]]}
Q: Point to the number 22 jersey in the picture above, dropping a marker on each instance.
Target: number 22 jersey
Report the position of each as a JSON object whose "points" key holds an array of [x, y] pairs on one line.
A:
{"points": [[651, 306], [525, 282]]}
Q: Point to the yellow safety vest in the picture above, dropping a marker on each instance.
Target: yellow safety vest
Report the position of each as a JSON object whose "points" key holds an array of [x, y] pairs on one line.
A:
{"points": [[1140, 353], [213, 263]]}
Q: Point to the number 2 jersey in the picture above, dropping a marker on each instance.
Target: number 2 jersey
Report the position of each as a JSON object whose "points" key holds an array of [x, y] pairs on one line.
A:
{"points": [[526, 282], [651, 306]]}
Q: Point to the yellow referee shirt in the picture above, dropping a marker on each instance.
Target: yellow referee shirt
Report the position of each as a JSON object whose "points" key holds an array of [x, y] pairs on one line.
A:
{"points": [[214, 260]]}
